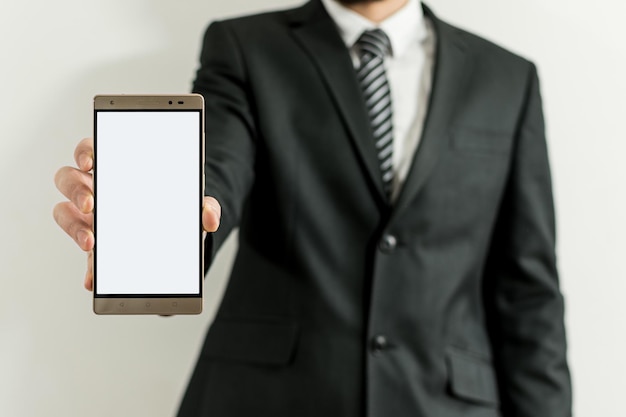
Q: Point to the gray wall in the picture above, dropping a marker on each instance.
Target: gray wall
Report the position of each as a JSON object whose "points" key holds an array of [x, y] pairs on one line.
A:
{"points": [[58, 359]]}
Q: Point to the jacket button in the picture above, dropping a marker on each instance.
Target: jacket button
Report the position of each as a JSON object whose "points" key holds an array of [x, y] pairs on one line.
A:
{"points": [[388, 243], [379, 343]]}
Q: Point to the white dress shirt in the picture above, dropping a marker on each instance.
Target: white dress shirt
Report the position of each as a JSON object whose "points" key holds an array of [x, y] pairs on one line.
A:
{"points": [[409, 72]]}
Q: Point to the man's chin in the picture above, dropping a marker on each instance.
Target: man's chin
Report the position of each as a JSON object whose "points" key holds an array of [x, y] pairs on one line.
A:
{"points": [[357, 1]]}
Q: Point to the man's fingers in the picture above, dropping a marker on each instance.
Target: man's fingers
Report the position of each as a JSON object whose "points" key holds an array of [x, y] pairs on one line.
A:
{"points": [[76, 224], [76, 186], [83, 154], [211, 214], [89, 274], [75, 217]]}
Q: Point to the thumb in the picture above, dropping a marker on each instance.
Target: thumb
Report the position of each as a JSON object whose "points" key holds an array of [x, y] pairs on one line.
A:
{"points": [[211, 214]]}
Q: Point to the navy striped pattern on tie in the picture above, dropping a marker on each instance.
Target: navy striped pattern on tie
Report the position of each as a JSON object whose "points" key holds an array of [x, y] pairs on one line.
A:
{"points": [[372, 47]]}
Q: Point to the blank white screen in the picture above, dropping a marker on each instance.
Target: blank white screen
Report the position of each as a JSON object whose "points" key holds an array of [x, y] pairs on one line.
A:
{"points": [[148, 202]]}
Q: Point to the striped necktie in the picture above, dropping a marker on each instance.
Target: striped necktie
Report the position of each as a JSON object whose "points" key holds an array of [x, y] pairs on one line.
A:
{"points": [[372, 47]]}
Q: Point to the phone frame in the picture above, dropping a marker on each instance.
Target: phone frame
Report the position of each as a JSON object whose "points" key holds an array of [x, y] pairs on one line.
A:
{"points": [[160, 304]]}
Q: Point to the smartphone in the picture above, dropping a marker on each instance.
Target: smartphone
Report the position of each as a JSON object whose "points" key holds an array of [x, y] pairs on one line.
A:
{"points": [[148, 192]]}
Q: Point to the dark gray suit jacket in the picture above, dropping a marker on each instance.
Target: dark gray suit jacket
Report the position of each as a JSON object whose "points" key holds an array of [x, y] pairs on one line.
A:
{"points": [[445, 304]]}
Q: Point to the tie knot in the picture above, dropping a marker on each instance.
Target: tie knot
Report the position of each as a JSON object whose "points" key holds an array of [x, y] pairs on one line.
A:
{"points": [[374, 43]]}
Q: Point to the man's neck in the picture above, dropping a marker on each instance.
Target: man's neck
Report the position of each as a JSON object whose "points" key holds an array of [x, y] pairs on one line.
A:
{"points": [[376, 10]]}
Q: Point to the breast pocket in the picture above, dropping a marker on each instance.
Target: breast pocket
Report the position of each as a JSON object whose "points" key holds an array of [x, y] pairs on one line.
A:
{"points": [[481, 141]]}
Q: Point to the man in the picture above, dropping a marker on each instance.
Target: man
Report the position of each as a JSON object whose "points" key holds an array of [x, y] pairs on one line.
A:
{"points": [[392, 191]]}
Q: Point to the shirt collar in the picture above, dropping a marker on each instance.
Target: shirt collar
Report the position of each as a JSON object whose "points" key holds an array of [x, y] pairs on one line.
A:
{"points": [[403, 27]]}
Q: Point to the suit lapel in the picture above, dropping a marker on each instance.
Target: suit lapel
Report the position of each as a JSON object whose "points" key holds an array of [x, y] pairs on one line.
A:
{"points": [[452, 67], [318, 35]]}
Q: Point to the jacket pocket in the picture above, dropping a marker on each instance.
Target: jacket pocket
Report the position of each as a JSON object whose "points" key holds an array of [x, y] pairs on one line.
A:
{"points": [[479, 141], [263, 342], [471, 377]]}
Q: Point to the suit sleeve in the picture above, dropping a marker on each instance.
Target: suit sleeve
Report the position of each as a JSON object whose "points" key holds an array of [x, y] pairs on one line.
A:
{"points": [[229, 127], [524, 302]]}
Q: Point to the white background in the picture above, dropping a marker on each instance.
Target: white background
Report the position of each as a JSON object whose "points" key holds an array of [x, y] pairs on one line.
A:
{"points": [[58, 359]]}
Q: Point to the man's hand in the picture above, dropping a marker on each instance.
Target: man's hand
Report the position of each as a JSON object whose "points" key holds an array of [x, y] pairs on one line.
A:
{"points": [[75, 216]]}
